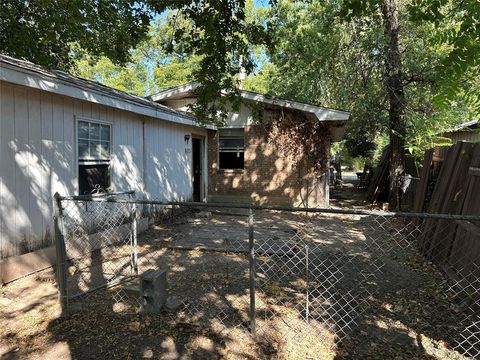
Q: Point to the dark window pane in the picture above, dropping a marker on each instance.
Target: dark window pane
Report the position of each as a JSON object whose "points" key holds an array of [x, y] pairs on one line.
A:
{"points": [[94, 131], [231, 143], [231, 160], [105, 132], [232, 132], [91, 175], [83, 148], [83, 129]]}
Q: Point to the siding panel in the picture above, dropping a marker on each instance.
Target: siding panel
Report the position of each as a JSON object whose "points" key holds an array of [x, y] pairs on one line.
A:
{"points": [[22, 175], [46, 106], [69, 145], [7, 180], [168, 164], [36, 192]]}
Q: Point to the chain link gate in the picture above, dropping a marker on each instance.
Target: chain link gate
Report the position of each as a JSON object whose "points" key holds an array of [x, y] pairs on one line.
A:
{"points": [[96, 241], [302, 281]]}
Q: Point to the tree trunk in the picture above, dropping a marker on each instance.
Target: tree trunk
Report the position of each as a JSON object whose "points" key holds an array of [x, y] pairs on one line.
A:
{"points": [[396, 97]]}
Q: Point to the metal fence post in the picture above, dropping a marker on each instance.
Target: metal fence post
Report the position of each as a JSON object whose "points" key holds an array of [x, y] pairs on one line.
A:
{"points": [[251, 243], [134, 238], [60, 252], [307, 310]]}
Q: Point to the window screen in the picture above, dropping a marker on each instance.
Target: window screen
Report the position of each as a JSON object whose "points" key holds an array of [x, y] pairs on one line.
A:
{"points": [[231, 147], [94, 147]]}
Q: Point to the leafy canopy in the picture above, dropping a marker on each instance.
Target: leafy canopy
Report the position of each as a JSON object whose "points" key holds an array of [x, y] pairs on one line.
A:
{"points": [[46, 32], [335, 56], [323, 52], [151, 67]]}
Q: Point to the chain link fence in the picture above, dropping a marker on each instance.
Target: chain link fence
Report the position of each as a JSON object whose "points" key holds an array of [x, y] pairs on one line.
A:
{"points": [[296, 282]]}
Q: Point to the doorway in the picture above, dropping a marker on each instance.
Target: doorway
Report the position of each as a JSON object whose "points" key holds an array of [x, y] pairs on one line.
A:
{"points": [[197, 157]]}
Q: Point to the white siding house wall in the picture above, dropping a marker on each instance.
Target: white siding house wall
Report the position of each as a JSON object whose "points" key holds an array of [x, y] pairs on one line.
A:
{"points": [[168, 162], [235, 118], [38, 158]]}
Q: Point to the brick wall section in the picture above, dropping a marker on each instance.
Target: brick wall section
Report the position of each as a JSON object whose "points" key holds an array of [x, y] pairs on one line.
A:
{"points": [[268, 178]]}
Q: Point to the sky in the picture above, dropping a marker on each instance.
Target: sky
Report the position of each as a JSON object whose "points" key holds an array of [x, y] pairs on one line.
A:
{"points": [[261, 3], [256, 3]]}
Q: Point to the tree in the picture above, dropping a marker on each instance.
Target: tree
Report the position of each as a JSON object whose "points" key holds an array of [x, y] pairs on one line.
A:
{"points": [[132, 77], [194, 41], [373, 60], [220, 34], [51, 33], [463, 44], [460, 33], [152, 67], [391, 61], [394, 84]]}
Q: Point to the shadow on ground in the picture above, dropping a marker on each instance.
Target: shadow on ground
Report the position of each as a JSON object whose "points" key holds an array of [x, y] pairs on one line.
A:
{"points": [[364, 302]]}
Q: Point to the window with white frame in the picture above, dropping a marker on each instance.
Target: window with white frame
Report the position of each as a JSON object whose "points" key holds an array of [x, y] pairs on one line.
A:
{"points": [[93, 149], [231, 148]]}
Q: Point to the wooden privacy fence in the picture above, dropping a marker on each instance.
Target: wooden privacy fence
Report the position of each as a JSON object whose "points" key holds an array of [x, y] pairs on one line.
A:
{"points": [[456, 191]]}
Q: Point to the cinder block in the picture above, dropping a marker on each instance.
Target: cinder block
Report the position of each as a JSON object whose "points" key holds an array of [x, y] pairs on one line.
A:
{"points": [[153, 288]]}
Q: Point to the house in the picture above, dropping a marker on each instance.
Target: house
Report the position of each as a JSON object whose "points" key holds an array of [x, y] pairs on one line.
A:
{"points": [[245, 166], [60, 133], [468, 131]]}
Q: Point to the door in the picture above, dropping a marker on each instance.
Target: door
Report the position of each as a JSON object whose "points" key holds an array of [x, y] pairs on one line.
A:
{"points": [[197, 169]]}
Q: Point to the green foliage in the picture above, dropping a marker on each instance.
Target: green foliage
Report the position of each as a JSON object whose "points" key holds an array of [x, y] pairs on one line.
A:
{"points": [[329, 53], [192, 42], [133, 77], [46, 31], [323, 60], [174, 73], [459, 34], [334, 56], [220, 34], [260, 81], [456, 29], [341, 153], [152, 68]]}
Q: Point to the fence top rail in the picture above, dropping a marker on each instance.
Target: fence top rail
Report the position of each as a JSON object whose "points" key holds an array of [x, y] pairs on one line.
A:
{"points": [[93, 197], [270, 207]]}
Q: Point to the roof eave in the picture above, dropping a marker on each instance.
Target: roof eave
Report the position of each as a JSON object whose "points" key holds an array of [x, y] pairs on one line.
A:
{"points": [[173, 92], [322, 113]]}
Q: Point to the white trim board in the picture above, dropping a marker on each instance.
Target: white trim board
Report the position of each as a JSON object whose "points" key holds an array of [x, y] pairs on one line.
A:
{"points": [[322, 113]]}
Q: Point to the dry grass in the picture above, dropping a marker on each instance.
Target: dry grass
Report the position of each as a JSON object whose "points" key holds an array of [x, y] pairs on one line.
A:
{"points": [[407, 320]]}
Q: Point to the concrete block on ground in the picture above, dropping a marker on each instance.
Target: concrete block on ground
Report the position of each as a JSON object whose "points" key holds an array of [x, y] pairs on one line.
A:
{"points": [[153, 288]]}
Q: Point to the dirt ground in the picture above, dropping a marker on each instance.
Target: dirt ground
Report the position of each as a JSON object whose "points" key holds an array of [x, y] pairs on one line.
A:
{"points": [[358, 307]]}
